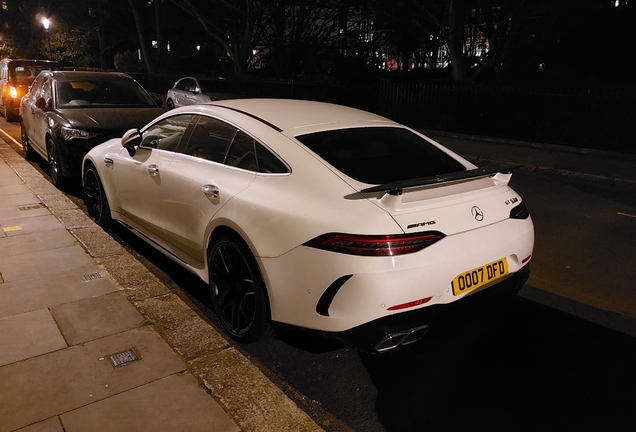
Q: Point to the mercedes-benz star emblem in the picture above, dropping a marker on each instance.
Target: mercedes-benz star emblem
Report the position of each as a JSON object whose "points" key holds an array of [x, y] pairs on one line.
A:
{"points": [[477, 213]]}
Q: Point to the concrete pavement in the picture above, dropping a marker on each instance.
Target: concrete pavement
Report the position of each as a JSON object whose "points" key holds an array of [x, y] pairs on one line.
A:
{"points": [[90, 340]]}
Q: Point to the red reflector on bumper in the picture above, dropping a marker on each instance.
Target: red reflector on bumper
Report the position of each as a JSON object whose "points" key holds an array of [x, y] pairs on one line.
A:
{"points": [[410, 304]]}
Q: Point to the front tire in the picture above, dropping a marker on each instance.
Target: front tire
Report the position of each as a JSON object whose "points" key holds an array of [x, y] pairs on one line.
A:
{"points": [[29, 153], [95, 197], [55, 170], [237, 290], [169, 104]]}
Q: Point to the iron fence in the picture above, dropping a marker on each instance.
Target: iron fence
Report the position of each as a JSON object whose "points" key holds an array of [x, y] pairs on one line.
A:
{"points": [[599, 117]]}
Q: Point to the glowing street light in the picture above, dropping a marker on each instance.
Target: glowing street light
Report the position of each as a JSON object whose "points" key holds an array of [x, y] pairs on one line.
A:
{"points": [[46, 23]]}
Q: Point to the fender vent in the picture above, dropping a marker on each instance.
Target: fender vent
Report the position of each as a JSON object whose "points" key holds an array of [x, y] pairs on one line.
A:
{"points": [[322, 307]]}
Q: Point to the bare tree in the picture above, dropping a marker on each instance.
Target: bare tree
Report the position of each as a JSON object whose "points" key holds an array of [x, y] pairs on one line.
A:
{"points": [[232, 23], [296, 36], [141, 34]]}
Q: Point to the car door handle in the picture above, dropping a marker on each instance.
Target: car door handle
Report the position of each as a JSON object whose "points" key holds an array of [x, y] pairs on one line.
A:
{"points": [[210, 191], [153, 169]]}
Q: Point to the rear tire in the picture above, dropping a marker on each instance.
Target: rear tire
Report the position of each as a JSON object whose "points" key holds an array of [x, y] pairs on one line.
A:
{"points": [[95, 197], [237, 290]]}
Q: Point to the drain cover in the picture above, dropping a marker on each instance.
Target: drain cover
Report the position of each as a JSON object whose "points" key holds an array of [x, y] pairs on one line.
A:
{"points": [[31, 207], [92, 276], [124, 357]]}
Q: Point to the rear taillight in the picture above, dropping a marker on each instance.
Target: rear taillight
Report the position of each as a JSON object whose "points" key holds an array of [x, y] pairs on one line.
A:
{"points": [[382, 245], [519, 212], [14, 92]]}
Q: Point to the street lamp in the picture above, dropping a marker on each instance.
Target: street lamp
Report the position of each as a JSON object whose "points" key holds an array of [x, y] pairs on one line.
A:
{"points": [[45, 21]]}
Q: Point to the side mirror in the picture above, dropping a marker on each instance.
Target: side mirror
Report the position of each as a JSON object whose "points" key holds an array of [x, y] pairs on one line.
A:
{"points": [[41, 103], [130, 141]]}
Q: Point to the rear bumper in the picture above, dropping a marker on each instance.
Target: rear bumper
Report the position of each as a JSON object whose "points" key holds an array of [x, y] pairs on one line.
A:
{"points": [[400, 329]]}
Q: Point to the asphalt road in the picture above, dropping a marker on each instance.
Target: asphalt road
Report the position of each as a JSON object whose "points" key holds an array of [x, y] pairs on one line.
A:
{"points": [[560, 357]]}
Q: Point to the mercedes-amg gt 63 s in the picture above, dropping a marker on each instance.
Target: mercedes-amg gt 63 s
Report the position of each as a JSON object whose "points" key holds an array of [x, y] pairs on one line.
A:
{"points": [[316, 216]]}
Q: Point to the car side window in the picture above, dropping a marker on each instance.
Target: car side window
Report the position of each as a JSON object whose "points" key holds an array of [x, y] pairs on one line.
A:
{"points": [[210, 139], [46, 92], [242, 153], [187, 84], [249, 154], [268, 162], [167, 133]]}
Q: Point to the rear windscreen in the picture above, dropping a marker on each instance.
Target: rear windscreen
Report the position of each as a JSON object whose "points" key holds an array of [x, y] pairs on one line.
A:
{"points": [[27, 71], [378, 155]]}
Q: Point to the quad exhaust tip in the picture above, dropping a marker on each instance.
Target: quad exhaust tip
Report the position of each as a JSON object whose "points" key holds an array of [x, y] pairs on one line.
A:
{"points": [[401, 338]]}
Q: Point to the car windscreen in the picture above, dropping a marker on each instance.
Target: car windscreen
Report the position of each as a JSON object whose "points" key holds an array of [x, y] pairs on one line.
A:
{"points": [[101, 93], [378, 155]]}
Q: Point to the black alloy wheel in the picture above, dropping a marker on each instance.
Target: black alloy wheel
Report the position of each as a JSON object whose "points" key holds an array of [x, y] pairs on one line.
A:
{"points": [[95, 197], [238, 295], [29, 153], [55, 171]]}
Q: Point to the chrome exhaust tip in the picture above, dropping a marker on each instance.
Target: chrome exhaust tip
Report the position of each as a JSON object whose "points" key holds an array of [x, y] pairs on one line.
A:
{"points": [[401, 338]]}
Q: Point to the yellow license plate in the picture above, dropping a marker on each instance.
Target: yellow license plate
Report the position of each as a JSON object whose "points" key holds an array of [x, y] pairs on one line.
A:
{"points": [[475, 278]]}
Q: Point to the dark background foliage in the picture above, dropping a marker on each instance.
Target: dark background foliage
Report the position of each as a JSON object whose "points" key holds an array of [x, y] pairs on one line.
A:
{"points": [[536, 70]]}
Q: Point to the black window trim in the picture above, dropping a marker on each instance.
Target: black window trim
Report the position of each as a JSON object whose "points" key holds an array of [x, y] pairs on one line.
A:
{"points": [[188, 132]]}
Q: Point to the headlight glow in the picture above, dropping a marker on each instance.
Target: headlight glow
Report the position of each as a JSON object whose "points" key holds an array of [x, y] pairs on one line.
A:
{"points": [[69, 134]]}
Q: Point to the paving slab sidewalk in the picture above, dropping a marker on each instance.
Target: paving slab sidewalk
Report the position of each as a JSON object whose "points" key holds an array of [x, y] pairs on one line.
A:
{"points": [[90, 340]]}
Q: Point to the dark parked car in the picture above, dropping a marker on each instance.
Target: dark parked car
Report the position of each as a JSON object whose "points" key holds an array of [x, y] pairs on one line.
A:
{"points": [[65, 114], [16, 75]]}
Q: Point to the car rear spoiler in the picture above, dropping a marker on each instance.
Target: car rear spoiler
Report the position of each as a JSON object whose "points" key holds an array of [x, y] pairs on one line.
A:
{"points": [[396, 188]]}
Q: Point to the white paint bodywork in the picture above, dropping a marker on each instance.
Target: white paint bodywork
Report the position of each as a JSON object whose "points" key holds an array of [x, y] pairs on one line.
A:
{"points": [[277, 213]]}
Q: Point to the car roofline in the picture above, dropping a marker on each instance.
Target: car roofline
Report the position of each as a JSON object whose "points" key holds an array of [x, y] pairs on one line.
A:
{"points": [[255, 117]]}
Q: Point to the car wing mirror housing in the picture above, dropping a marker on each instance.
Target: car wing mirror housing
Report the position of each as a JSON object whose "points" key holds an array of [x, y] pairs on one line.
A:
{"points": [[131, 140], [41, 103]]}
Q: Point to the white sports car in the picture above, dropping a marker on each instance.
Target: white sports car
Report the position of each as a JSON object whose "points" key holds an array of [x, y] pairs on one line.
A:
{"points": [[315, 215]]}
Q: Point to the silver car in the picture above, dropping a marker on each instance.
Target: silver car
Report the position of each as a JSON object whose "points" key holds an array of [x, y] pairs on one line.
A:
{"points": [[192, 91]]}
